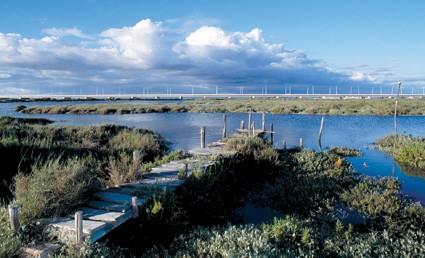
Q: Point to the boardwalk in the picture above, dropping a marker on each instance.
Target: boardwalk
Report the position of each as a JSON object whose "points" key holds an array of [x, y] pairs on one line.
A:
{"points": [[111, 207]]}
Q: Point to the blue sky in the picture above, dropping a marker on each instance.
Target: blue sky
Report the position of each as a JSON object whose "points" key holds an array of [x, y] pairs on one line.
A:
{"points": [[63, 46]]}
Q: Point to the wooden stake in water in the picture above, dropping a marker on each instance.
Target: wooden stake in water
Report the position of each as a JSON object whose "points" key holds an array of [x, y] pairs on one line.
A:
{"points": [[224, 126], [395, 107], [271, 133], [136, 157], [249, 118], [263, 121], [319, 137], [134, 207], [242, 125], [301, 143], [14, 218], [253, 128], [202, 137], [78, 227]]}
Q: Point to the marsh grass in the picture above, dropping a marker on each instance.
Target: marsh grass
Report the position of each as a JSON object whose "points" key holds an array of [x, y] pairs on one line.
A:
{"points": [[122, 170], [55, 187], [24, 142], [408, 150], [277, 106]]}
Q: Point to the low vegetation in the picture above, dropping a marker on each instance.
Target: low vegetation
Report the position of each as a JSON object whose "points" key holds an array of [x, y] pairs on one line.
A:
{"points": [[25, 142], [277, 106], [56, 187], [408, 150], [329, 209]]}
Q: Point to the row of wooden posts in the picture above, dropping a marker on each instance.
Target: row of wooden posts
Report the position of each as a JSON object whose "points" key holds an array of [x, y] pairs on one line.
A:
{"points": [[251, 130]]}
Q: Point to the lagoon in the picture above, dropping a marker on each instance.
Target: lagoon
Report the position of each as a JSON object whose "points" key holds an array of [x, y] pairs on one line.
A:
{"points": [[182, 131]]}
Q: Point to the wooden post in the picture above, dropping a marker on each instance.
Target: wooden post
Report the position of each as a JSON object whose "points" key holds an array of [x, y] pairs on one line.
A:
{"points": [[78, 227], [249, 118], [203, 137], [263, 121], [271, 133], [242, 125], [134, 207], [319, 137], [136, 156], [253, 128], [224, 126], [14, 218], [301, 143]]}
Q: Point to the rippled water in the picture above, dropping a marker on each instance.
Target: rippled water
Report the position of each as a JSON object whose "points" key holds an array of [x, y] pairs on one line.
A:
{"points": [[182, 130]]}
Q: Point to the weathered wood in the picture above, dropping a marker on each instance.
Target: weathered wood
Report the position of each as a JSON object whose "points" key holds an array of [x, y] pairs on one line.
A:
{"points": [[203, 137], [78, 217], [109, 206], [249, 119], [242, 125], [395, 107], [224, 126], [14, 218], [136, 157], [134, 207], [116, 198], [271, 133], [252, 128], [319, 137], [301, 143], [263, 121]]}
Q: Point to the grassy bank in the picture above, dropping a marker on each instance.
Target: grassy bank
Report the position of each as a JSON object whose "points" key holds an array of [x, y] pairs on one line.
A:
{"points": [[408, 150], [278, 106], [27, 144]]}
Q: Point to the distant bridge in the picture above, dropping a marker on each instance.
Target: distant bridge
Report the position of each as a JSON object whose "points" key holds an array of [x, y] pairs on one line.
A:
{"points": [[162, 96]]}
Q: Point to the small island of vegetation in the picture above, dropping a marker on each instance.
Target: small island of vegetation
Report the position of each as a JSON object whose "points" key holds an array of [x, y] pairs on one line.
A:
{"points": [[409, 151], [277, 106]]}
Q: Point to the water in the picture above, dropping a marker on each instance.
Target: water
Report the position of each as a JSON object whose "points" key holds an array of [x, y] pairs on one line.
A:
{"points": [[182, 130]]}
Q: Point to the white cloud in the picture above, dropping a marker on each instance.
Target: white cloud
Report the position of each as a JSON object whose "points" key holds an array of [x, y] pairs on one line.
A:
{"points": [[5, 76], [360, 76], [151, 54], [63, 32]]}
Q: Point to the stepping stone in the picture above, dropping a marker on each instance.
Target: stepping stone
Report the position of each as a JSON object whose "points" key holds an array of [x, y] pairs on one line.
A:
{"points": [[41, 250], [108, 206], [67, 224], [117, 198], [102, 215]]}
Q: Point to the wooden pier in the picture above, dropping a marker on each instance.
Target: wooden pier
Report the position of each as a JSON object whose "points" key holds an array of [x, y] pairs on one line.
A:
{"points": [[111, 207]]}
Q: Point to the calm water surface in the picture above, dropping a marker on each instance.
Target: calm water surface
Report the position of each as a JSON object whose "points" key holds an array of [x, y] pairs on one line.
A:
{"points": [[182, 130]]}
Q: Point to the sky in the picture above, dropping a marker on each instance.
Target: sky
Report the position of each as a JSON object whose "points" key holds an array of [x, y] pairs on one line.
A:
{"points": [[126, 46]]}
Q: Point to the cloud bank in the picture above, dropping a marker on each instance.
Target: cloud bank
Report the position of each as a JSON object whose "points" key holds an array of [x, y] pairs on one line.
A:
{"points": [[153, 55]]}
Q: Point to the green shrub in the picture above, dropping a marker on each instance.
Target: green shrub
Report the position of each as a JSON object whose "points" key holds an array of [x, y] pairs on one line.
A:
{"points": [[344, 152], [409, 151], [123, 169], [231, 241], [55, 188], [147, 144], [375, 198]]}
